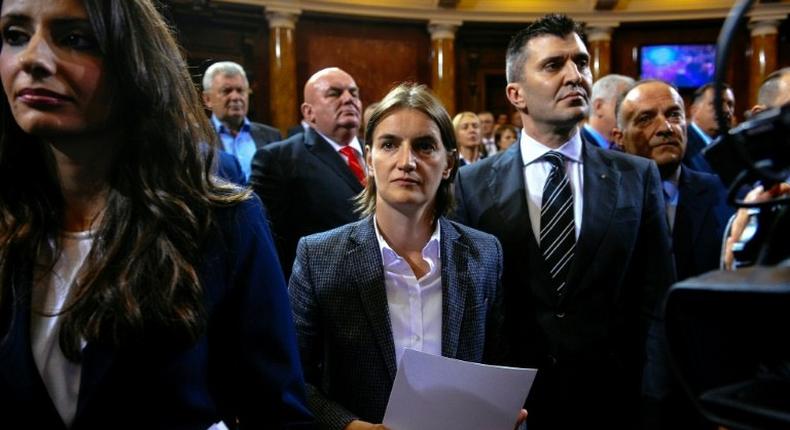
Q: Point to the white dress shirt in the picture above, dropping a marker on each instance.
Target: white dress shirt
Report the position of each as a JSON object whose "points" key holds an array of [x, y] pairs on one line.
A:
{"points": [[490, 145], [60, 375], [353, 144], [415, 305], [705, 138], [536, 171]]}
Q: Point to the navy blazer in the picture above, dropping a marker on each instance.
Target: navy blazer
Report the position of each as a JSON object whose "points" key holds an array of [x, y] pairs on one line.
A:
{"points": [[245, 366], [263, 134], [700, 218], [589, 344], [694, 158], [229, 168], [307, 188], [342, 319]]}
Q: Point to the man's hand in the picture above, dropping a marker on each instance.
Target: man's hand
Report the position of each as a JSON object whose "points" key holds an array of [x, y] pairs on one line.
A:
{"points": [[742, 217]]}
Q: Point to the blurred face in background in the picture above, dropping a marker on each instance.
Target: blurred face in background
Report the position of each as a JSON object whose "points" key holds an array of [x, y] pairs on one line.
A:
{"points": [[228, 98], [467, 131], [486, 124], [703, 112], [506, 138]]}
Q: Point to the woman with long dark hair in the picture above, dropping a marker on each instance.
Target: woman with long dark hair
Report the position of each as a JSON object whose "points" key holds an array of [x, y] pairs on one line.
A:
{"points": [[136, 289]]}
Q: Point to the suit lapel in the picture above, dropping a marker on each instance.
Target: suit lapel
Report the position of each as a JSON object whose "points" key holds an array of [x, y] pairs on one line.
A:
{"points": [[258, 136], [367, 273], [506, 183], [17, 365], [455, 278], [324, 152], [693, 203], [601, 184]]}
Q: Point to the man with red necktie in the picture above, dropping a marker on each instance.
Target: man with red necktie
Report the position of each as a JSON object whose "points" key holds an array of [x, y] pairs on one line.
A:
{"points": [[308, 182]]}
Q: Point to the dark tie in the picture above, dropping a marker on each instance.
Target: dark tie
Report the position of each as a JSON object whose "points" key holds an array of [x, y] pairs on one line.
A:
{"points": [[557, 228], [353, 163]]}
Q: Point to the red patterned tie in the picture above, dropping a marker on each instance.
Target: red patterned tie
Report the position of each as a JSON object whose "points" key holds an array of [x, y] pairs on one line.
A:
{"points": [[353, 163]]}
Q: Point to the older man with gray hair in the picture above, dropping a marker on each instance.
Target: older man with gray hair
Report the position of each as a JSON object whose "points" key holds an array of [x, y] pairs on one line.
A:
{"points": [[605, 93], [226, 93]]}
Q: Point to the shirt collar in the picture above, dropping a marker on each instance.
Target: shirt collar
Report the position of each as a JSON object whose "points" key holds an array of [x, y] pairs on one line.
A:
{"points": [[598, 137], [354, 143], [671, 187], [705, 138], [220, 127], [430, 252], [532, 150]]}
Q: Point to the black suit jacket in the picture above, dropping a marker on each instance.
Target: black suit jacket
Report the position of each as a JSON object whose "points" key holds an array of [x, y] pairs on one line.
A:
{"points": [[229, 168], [700, 218], [343, 323], [694, 157], [306, 187], [296, 129], [589, 344], [264, 134]]}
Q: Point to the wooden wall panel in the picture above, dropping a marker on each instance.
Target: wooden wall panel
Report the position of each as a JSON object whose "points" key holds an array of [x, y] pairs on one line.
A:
{"points": [[226, 32], [481, 67], [380, 53], [377, 54]]}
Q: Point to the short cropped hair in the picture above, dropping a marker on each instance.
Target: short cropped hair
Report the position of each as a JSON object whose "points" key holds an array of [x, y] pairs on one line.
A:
{"points": [[555, 24], [769, 90], [228, 68], [418, 97], [699, 93], [607, 87]]}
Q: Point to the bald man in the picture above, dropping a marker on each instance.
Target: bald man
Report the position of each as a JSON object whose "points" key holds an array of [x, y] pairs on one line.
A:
{"points": [[651, 123], [308, 181], [774, 91]]}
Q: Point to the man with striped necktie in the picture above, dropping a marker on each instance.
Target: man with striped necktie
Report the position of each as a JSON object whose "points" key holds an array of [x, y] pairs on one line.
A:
{"points": [[586, 242]]}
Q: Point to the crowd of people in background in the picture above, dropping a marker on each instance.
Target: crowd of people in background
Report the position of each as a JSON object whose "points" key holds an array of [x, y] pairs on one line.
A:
{"points": [[164, 268]]}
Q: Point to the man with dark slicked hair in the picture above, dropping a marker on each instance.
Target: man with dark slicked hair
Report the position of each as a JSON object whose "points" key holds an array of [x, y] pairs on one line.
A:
{"points": [[586, 244]]}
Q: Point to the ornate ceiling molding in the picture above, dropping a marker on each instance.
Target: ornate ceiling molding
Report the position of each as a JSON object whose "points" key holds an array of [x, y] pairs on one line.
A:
{"points": [[493, 11]]}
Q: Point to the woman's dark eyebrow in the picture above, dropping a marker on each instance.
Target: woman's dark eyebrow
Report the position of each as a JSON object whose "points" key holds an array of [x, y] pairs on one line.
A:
{"points": [[19, 18]]}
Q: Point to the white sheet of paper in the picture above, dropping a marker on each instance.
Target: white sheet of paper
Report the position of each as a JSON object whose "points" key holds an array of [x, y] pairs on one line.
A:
{"points": [[434, 392]]}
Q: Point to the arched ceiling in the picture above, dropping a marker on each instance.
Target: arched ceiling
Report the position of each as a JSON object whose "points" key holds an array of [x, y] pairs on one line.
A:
{"points": [[601, 12]]}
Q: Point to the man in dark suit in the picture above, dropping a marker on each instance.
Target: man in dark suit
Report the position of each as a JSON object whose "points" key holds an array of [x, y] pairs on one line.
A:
{"points": [[226, 93], [585, 240], [652, 124], [298, 128], [703, 128], [308, 182]]}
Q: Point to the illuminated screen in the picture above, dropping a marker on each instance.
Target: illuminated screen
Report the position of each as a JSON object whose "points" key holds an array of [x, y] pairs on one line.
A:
{"points": [[685, 66]]}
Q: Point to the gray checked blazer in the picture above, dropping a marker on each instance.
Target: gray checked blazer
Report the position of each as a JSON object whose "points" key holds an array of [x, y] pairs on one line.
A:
{"points": [[342, 319]]}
